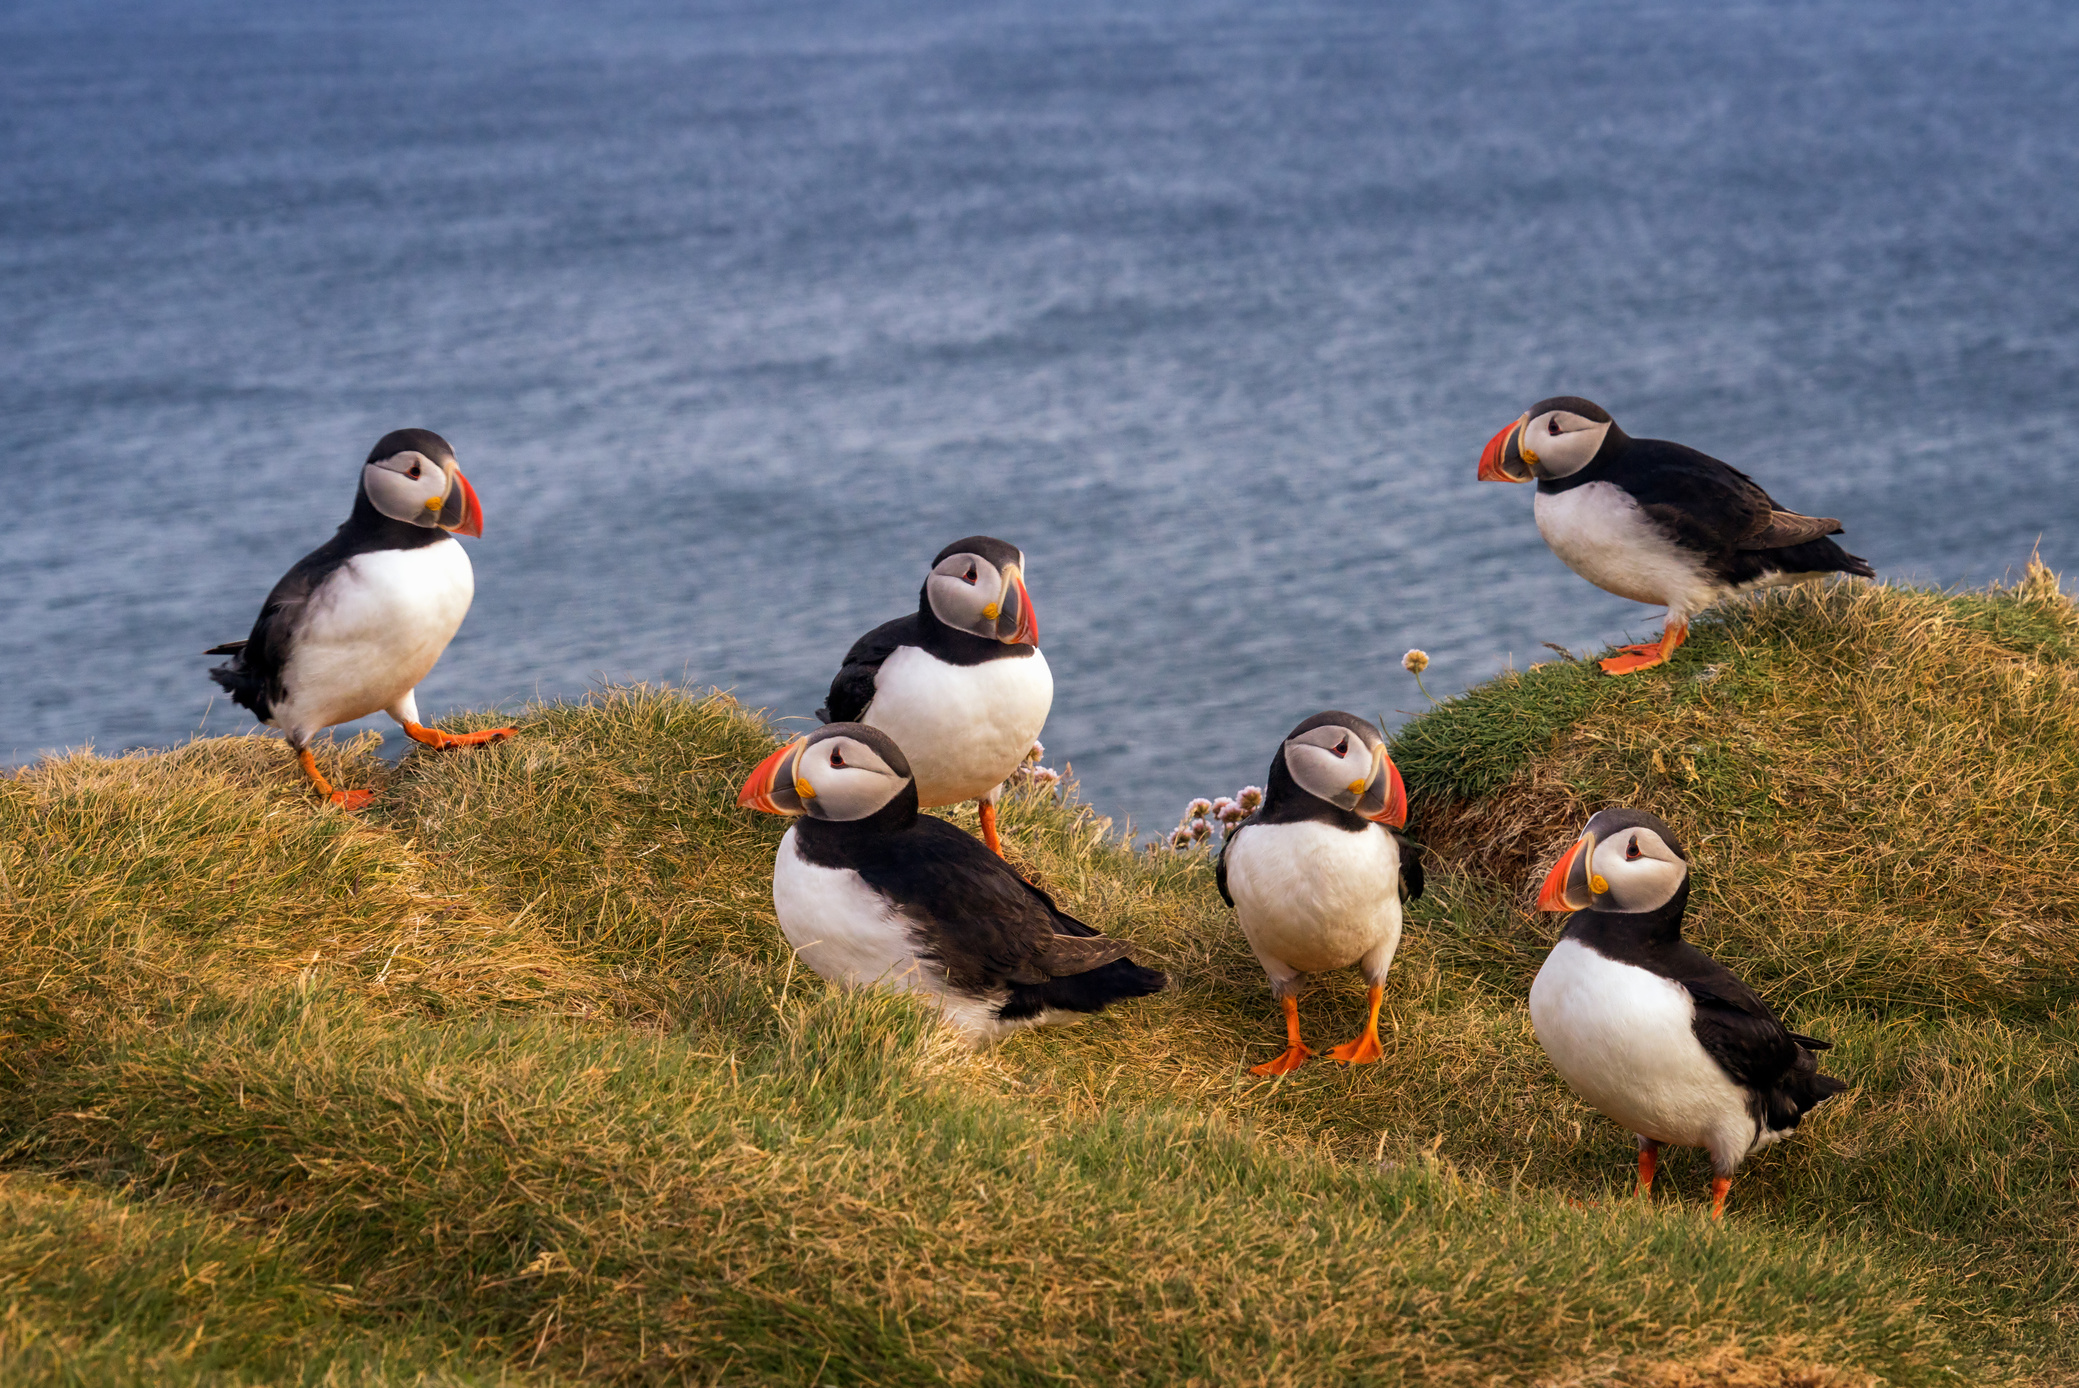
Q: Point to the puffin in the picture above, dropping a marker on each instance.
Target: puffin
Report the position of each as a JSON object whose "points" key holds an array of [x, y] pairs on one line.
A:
{"points": [[1655, 521], [1650, 1030], [960, 684], [1318, 874], [356, 624], [870, 892]]}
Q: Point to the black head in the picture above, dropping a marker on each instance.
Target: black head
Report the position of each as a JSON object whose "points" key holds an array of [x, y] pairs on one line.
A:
{"points": [[411, 476], [1337, 760], [977, 586], [842, 773], [1553, 438], [1625, 862]]}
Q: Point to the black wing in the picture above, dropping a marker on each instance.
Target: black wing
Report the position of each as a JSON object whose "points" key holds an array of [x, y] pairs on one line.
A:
{"points": [[1718, 511], [853, 688], [1410, 865], [1220, 863], [982, 922], [1733, 1024], [253, 674]]}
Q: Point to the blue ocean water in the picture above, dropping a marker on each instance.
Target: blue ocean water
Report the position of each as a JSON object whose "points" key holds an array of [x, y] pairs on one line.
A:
{"points": [[735, 314]]}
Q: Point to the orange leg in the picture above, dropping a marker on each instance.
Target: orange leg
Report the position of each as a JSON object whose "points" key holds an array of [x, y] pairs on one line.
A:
{"points": [[440, 741], [1720, 1187], [1365, 1049], [347, 799], [1633, 658], [1649, 1153], [988, 812], [1296, 1053]]}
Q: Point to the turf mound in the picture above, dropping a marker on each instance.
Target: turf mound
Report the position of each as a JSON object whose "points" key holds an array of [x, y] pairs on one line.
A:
{"points": [[511, 1079]]}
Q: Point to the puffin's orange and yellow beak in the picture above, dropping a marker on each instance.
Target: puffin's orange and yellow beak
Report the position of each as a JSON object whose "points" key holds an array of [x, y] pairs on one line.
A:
{"points": [[1395, 811], [463, 514], [1500, 461], [1560, 888], [770, 786], [1027, 633]]}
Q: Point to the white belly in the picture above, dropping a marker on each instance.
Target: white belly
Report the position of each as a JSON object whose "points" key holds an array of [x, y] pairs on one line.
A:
{"points": [[371, 632], [1311, 897], [964, 728], [850, 934], [1621, 1037], [1601, 533]]}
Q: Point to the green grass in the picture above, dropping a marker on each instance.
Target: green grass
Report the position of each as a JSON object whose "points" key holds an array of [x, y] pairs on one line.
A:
{"points": [[510, 1078]]}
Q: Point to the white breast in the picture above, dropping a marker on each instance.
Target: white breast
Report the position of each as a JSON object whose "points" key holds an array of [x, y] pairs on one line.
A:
{"points": [[371, 632], [851, 935], [1601, 533], [964, 728], [1311, 896], [1621, 1037]]}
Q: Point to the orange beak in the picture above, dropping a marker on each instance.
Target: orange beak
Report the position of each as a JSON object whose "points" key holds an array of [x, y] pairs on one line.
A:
{"points": [[1027, 633], [472, 521], [771, 784], [1494, 459], [1554, 896], [1395, 812]]}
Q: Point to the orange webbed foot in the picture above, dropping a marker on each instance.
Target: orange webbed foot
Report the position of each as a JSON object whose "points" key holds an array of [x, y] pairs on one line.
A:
{"points": [[1635, 661], [351, 800], [1296, 1053], [440, 741], [1289, 1060], [1363, 1051]]}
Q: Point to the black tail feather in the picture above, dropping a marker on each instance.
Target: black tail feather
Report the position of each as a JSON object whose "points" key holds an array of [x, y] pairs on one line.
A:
{"points": [[1816, 557], [1085, 992], [1797, 1093]]}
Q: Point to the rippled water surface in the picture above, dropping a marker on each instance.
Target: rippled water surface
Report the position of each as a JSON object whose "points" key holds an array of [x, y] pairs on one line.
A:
{"points": [[735, 315]]}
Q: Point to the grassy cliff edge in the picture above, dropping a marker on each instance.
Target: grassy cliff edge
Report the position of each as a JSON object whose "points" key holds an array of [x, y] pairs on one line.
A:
{"points": [[511, 1079]]}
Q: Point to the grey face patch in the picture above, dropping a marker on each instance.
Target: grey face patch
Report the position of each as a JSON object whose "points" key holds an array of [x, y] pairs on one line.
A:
{"points": [[402, 485], [1559, 443], [1332, 763], [846, 779], [971, 594], [1637, 870]]}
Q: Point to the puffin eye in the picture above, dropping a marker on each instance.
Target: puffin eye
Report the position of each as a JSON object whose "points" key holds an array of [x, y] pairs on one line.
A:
{"points": [[414, 473], [1631, 850], [1342, 747], [970, 573], [837, 761], [1553, 426]]}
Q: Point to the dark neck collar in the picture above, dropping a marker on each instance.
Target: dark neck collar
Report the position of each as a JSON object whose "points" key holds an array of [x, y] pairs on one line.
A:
{"points": [[371, 529], [1662, 925], [954, 646], [892, 818]]}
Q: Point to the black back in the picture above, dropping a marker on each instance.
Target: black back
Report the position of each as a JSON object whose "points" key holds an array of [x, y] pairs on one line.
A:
{"points": [[253, 675], [1286, 801], [1707, 506], [969, 912], [1733, 1025]]}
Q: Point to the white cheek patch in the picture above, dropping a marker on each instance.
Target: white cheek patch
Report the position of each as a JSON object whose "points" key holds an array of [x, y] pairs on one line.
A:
{"points": [[960, 604], [1323, 774], [1636, 884], [404, 498], [1565, 453]]}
